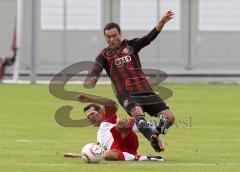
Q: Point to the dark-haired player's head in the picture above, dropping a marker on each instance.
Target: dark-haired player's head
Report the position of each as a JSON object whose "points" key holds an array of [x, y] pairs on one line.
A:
{"points": [[93, 113], [112, 33]]}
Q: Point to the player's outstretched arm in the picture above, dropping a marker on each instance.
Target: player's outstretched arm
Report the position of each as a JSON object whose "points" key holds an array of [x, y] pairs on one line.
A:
{"points": [[139, 43], [165, 18], [92, 79], [86, 98]]}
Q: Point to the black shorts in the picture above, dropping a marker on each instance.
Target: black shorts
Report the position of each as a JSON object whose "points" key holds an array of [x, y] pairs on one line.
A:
{"points": [[150, 102]]}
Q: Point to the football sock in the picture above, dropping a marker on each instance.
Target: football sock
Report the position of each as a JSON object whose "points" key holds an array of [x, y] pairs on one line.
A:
{"points": [[164, 124], [143, 126]]}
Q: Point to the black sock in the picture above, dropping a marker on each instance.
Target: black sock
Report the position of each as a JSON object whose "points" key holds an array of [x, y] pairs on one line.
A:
{"points": [[143, 126], [169, 123], [163, 125]]}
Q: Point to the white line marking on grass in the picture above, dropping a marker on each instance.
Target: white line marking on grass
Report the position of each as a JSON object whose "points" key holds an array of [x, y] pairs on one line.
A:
{"points": [[180, 164], [207, 127], [190, 164], [133, 164], [216, 140], [23, 140], [43, 164], [49, 141]]}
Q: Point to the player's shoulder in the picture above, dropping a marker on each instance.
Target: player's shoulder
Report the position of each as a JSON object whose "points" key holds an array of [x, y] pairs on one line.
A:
{"points": [[110, 118], [130, 42], [102, 52], [126, 41], [106, 125]]}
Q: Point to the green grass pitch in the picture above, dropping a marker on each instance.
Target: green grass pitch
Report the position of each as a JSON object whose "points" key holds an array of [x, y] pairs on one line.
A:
{"points": [[206, 136]]}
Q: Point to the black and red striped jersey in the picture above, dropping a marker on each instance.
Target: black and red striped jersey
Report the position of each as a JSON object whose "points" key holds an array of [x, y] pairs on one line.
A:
{"points": [[5, 62], [123, 65]]}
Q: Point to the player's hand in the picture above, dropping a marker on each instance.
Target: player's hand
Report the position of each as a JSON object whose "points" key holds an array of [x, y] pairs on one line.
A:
{"points": [[68, 155], [122, 123], [71, 155], [122, 126], [167, 16], [93, 80], [82, 98], [90, 82]]}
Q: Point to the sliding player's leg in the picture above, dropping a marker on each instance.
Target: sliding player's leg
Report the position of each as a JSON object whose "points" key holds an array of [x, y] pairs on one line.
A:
{"points": [[117, 155]]}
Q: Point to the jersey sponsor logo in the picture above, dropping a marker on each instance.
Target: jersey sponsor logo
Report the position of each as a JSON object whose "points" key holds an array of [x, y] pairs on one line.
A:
{"points": [[128, 50], [121, 61]]}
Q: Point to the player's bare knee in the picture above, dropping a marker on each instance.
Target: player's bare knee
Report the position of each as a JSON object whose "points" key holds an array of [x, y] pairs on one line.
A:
{"points": [[168, 114], [110, 155], [136, 111], [171, 117], [107, 156]]}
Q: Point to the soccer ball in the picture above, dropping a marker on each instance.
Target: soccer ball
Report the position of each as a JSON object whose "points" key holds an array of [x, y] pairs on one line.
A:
{"points": [[92, 153]]}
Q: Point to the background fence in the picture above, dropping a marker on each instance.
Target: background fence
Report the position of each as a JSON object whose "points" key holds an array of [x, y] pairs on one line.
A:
{"points": [[203, 38]]}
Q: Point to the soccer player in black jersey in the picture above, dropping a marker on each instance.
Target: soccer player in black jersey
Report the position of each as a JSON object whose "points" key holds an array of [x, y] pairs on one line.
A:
{"points": [[133, 91], [4, 62]]}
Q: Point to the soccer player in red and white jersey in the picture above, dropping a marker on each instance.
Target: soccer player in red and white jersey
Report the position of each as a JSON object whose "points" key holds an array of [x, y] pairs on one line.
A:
{"points": [[116, 136], [122, 63]]}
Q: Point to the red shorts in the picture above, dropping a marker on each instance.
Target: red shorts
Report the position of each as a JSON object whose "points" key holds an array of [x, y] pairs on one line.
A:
{"points": [[129, 144]]}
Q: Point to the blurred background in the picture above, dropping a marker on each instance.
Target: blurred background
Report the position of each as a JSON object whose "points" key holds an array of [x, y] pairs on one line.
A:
{"points": [[201, 44]]}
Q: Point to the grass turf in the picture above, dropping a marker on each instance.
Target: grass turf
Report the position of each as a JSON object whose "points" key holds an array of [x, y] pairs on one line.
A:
{"points": [[205, 136]]}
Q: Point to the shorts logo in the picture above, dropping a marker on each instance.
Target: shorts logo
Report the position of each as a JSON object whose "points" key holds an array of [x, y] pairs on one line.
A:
{"points": [[121, 61]]}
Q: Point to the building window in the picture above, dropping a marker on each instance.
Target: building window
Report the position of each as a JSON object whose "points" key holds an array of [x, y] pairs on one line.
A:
{"points": [[142, 14], [219, 15], [81, 15]]}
